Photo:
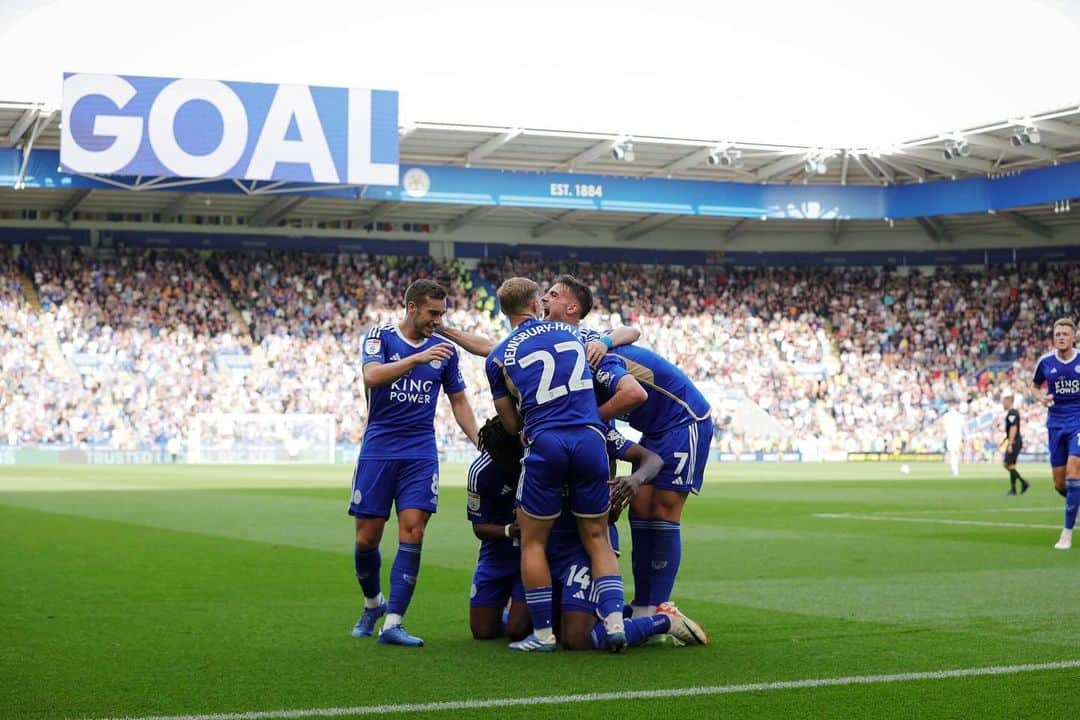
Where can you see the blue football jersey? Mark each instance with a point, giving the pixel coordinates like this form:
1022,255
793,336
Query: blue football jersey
542,366
673,399
491,493
401,415
1063,382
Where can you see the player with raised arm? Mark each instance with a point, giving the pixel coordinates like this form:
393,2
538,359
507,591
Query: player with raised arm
541,384
675,423
1059,371
493,479
594,349
404,366
1012,444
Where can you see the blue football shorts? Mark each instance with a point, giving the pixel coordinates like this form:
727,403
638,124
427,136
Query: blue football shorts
407,484
573,457
496,580
571,572
684,451
1063,443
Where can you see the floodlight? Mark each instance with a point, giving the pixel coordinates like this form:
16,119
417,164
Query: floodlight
725,158
623,151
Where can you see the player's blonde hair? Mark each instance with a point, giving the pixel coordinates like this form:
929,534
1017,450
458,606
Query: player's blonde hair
1066,321
516,295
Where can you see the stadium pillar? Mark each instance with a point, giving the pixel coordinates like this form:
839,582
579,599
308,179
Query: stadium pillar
441,249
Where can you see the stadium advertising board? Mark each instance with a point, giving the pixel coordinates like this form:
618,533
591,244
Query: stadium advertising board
125,125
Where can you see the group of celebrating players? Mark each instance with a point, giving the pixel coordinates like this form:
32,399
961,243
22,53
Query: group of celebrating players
542,496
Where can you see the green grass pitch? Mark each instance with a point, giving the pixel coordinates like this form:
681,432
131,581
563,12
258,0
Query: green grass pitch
129,592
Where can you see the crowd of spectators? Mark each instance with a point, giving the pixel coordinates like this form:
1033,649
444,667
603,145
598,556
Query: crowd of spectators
810,359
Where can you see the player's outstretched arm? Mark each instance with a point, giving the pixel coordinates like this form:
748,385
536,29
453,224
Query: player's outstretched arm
1040,396
459,405
596,349
627,396
491,531
470,342
377,374
509,415
648,465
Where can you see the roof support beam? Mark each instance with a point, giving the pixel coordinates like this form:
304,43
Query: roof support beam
910,170
172,211
934,229
862,166
643,227
687,161
272,212
562,221
468,217
484,149
39,125
22,125
735,230
1025,223
73,204
928,229
961,163
844,167
780,167
376,213
1057,127
839,229
882,168
995,143
587,156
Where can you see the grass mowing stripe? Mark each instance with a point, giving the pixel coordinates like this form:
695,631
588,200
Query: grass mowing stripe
627,695
933,521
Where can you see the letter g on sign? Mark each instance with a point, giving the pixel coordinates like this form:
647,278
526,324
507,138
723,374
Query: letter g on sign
126,130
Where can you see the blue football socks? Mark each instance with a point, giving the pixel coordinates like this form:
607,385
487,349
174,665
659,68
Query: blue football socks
1072,501
665,559
403,574
538,600
609,595
368,564
637,631
641,559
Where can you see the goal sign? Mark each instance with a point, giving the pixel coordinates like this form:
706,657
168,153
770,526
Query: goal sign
123,125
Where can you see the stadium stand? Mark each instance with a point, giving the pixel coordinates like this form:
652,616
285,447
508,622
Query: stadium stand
795,359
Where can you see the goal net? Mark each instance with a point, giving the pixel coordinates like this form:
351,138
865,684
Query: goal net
262,438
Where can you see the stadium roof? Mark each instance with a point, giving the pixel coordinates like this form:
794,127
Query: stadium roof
997,148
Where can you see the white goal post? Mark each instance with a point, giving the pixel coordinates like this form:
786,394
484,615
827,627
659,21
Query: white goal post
262,438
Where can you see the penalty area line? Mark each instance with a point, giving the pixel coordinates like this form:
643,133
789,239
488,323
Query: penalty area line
624,695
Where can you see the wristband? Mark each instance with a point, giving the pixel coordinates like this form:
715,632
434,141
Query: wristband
506,530
606,340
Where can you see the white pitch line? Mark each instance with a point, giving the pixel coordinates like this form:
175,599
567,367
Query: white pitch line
933,521
954,511
625,695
